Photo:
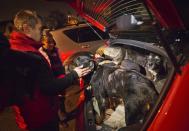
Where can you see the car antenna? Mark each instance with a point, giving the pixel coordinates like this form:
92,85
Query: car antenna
94,30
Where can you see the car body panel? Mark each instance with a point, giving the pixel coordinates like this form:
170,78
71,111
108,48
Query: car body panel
173,114
67,46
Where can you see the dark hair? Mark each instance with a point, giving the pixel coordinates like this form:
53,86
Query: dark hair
25,17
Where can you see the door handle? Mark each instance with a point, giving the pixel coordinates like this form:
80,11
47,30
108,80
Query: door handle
85,46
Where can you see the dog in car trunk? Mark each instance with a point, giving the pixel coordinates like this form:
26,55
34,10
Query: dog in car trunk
123,79
119,82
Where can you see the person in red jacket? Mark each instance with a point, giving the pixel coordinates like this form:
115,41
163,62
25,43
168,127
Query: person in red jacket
39,86
10,118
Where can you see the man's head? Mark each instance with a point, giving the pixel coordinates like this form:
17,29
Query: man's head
29,23
47,40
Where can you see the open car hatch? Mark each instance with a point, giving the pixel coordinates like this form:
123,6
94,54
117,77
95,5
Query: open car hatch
132,16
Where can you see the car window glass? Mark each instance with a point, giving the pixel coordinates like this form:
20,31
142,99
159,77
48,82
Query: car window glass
85,34
124,14
182,7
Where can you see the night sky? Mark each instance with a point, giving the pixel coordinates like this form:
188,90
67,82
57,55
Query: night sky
8,8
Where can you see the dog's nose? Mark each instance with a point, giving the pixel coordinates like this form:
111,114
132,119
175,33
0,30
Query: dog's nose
150,64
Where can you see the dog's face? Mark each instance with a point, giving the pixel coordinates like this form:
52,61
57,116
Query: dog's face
154,62
155,67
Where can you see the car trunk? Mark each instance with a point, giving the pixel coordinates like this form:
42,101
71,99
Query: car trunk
142,25
126,15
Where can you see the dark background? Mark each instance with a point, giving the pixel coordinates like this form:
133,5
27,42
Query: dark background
8,8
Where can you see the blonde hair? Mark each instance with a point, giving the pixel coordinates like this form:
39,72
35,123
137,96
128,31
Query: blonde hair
47,37
45,34
100,50
25,17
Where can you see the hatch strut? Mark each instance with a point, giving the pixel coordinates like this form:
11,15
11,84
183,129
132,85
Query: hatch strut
94,31
163,41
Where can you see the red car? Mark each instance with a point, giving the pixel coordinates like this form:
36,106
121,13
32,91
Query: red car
163,23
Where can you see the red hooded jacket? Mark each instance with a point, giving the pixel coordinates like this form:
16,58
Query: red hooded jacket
39,111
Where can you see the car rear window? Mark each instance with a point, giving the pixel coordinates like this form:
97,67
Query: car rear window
85,34
182,7
124,14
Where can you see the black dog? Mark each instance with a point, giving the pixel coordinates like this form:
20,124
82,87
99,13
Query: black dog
125,81
136,90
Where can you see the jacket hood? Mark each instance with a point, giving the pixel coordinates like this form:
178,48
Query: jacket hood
21,42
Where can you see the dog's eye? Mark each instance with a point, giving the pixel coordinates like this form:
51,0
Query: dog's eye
150,57
157,57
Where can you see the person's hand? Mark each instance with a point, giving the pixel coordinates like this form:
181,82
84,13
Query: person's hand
97,56
82,71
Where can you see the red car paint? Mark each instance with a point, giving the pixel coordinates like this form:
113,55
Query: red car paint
174,112
166,13
65,55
